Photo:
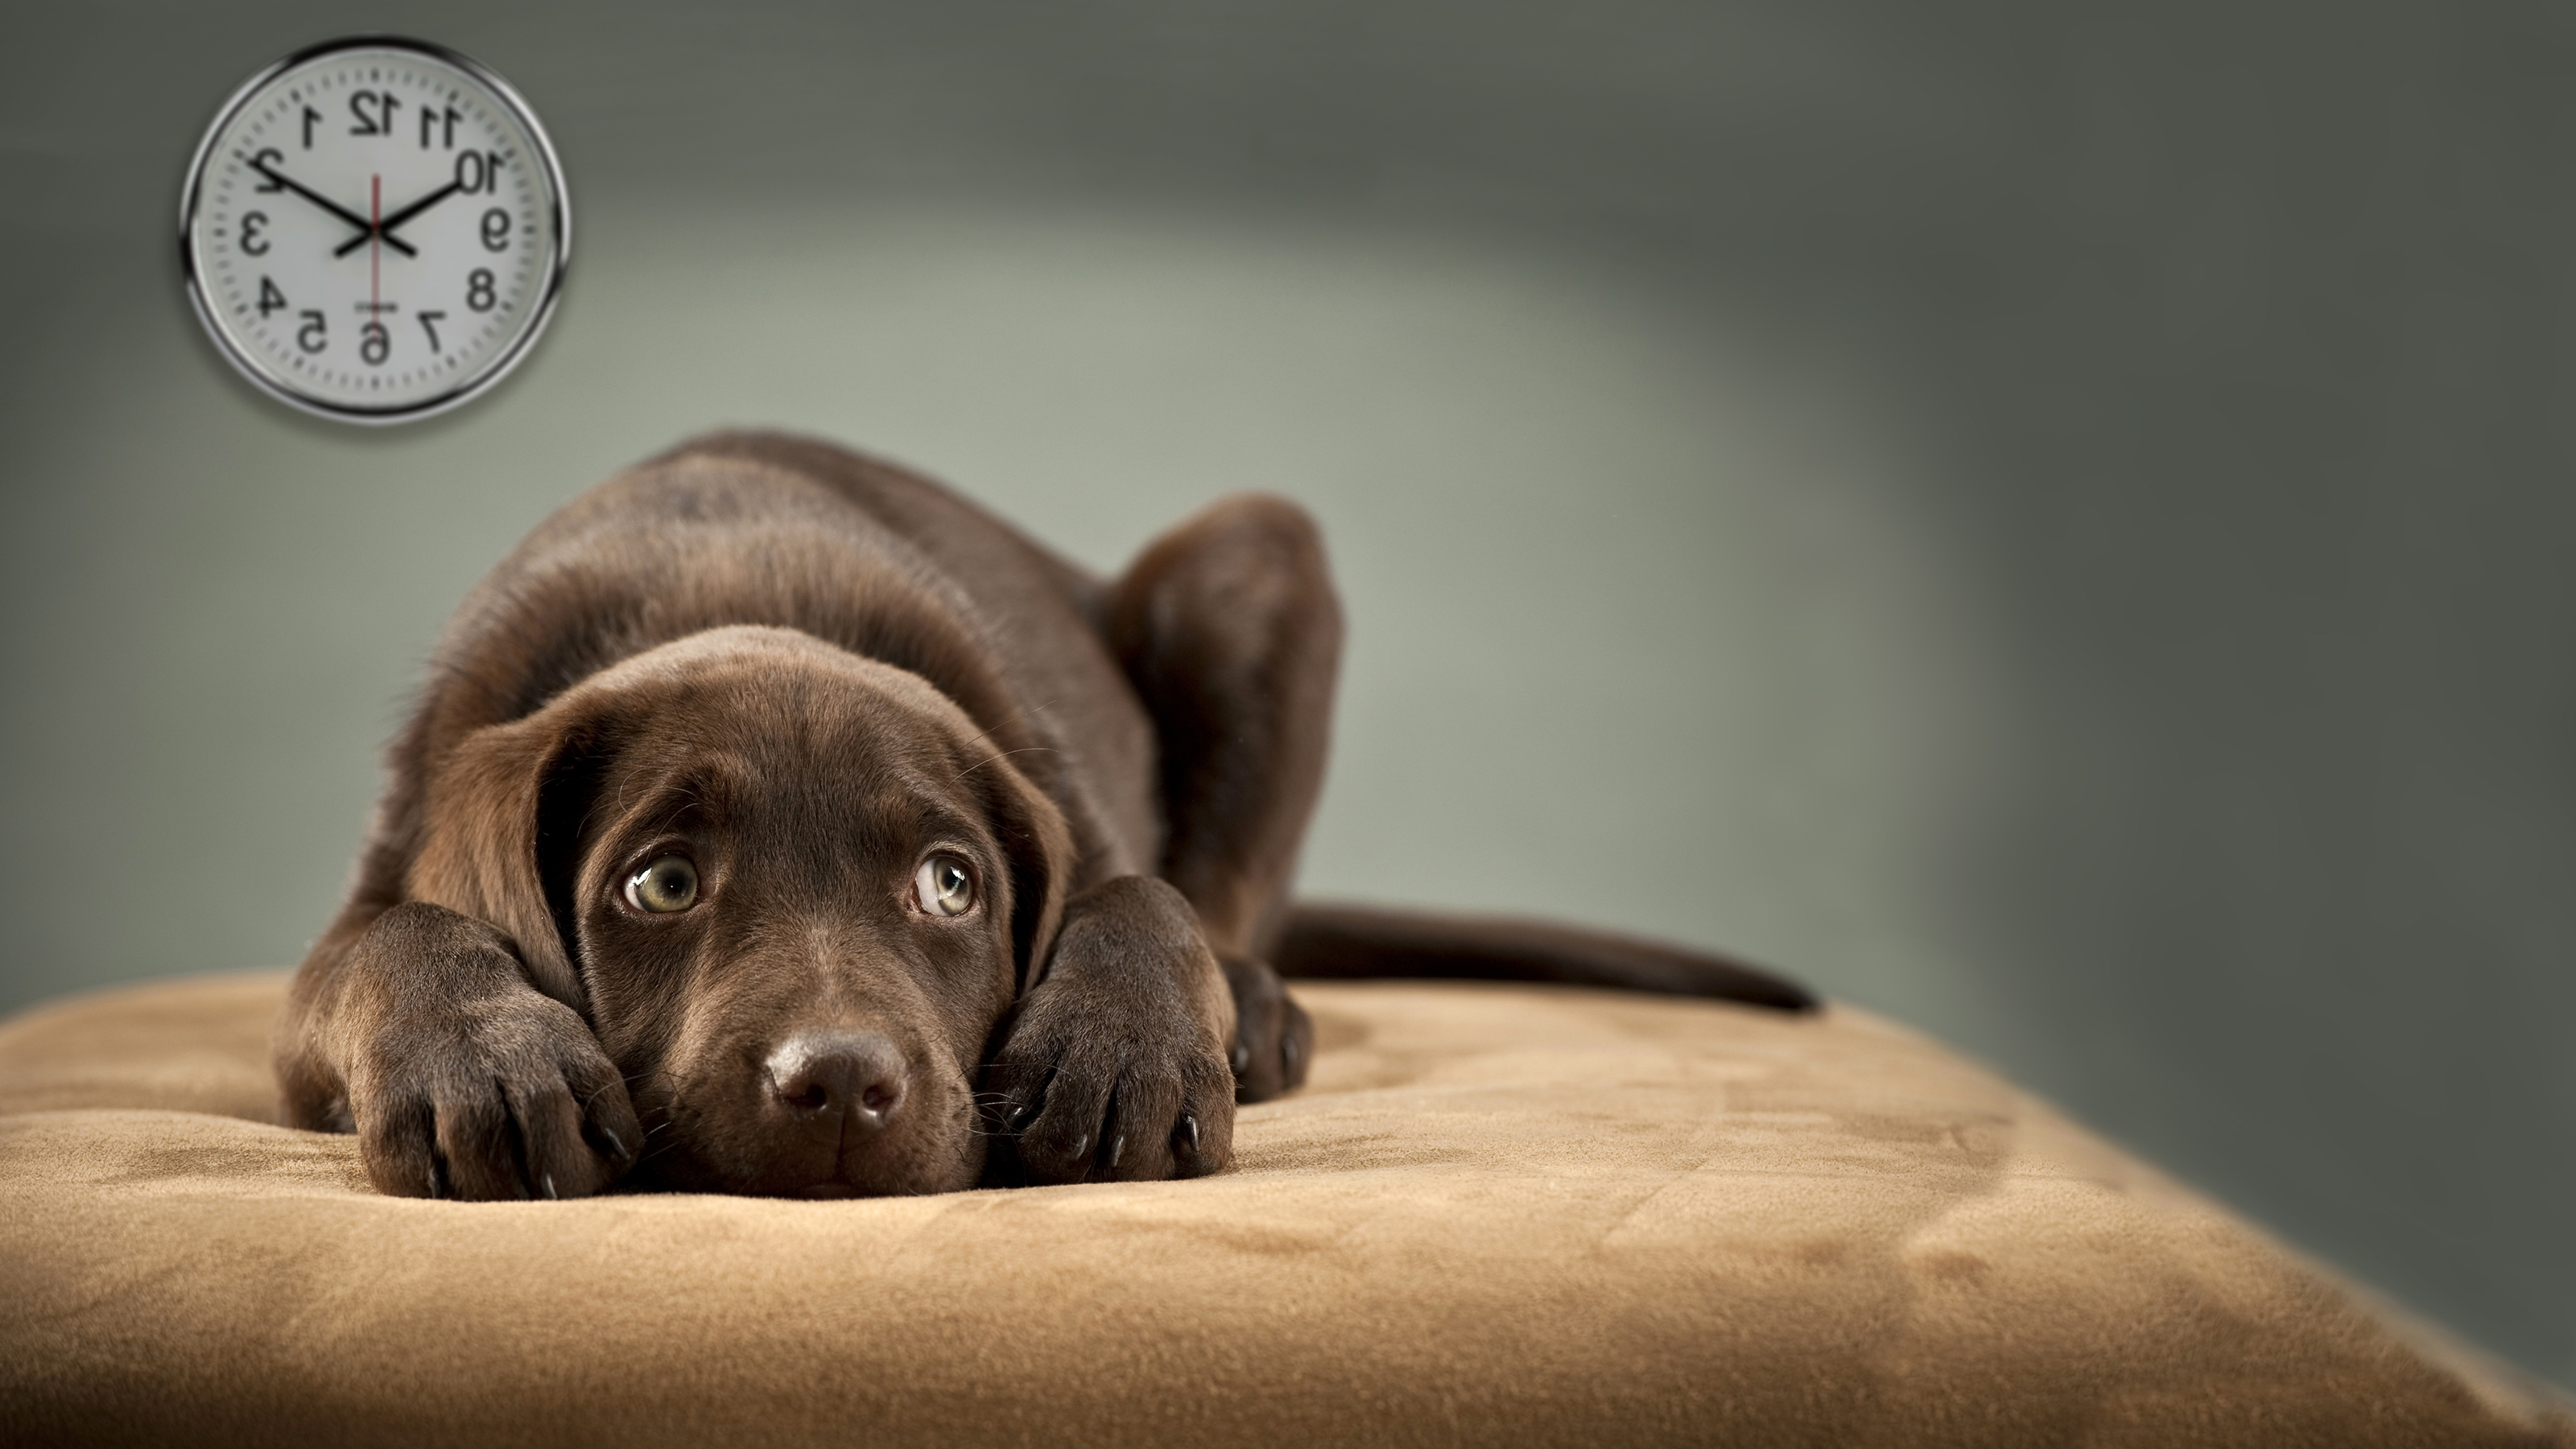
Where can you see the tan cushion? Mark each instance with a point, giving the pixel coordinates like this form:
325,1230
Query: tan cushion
1498,1215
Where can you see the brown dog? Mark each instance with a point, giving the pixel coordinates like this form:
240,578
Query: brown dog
782,822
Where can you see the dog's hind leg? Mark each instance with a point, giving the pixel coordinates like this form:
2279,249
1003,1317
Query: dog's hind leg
1229,630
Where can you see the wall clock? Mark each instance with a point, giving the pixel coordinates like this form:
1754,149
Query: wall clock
374,229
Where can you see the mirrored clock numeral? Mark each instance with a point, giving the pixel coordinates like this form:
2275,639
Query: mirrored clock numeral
440,123
478,171
307,295
375,112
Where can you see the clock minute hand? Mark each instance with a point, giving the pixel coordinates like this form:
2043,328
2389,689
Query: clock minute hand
385,228
364,226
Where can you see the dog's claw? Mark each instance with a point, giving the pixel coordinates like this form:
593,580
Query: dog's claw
1185,1136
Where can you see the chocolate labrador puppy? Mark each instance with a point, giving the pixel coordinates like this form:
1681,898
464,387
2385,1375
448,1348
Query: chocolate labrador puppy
775,821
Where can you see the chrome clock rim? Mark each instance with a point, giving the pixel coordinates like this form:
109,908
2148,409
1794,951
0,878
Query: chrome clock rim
257,371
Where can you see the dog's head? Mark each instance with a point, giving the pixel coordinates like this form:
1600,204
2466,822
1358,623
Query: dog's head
792,889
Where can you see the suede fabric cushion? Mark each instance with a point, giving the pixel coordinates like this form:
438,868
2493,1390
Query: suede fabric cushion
1497,1215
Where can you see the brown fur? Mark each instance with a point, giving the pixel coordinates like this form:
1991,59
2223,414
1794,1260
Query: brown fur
811,676
807,671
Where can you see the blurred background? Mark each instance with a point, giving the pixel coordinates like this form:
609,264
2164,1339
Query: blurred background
2048,521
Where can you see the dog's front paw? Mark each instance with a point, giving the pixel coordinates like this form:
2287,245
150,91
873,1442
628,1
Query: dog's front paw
1273,1037
1114,1067
500,1092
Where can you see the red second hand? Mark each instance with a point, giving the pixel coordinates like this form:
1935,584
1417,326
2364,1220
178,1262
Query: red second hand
375,245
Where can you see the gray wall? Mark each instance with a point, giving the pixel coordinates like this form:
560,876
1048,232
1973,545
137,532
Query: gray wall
2051,524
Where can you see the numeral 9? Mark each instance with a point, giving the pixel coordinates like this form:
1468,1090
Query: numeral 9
496,230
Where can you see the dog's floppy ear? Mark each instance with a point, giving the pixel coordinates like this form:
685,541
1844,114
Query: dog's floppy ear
1040,848
504,818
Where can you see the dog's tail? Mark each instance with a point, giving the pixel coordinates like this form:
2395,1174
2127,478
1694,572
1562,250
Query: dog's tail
1345,943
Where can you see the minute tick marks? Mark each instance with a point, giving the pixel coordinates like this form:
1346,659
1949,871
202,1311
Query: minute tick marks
393,189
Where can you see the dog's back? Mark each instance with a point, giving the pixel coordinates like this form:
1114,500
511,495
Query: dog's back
763,528
779,800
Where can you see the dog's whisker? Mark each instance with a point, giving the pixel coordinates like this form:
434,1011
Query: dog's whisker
983,735
1004,755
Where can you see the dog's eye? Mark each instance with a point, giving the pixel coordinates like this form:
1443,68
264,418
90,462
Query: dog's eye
944,886
668,884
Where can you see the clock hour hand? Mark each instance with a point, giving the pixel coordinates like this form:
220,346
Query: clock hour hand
364,226
385,228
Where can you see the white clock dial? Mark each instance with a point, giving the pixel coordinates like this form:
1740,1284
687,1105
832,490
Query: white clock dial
375,229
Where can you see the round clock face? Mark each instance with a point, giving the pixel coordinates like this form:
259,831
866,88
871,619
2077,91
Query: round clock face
374,229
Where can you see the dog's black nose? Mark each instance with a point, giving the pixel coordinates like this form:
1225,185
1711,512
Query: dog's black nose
856,1077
